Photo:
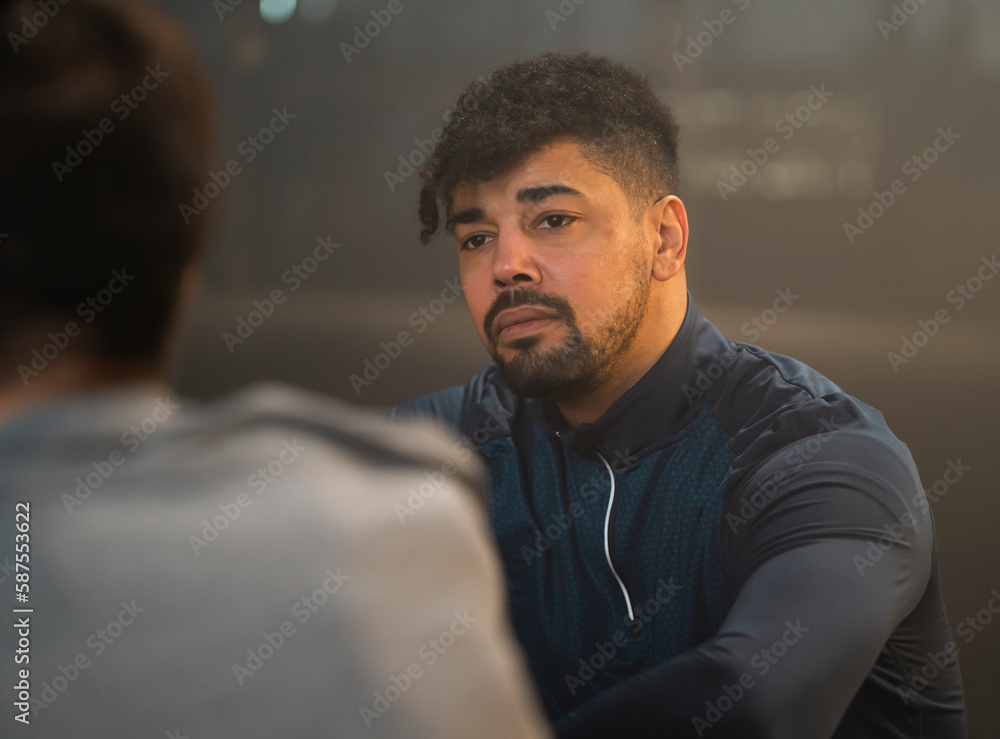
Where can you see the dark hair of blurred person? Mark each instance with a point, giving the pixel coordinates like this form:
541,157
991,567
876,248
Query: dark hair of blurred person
90,182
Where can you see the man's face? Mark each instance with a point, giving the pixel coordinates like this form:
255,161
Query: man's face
556,271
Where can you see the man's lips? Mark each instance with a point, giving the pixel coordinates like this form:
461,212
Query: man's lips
516,317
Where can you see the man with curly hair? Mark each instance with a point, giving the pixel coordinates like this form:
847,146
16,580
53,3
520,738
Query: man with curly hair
698,536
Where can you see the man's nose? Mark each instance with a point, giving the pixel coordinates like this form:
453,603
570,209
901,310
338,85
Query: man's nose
513,260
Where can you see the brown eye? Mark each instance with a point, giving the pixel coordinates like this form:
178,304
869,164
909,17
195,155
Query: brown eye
556,221
474,242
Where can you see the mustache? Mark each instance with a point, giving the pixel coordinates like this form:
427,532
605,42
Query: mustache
521,296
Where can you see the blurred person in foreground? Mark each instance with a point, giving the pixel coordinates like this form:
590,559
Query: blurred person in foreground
226,570
699,537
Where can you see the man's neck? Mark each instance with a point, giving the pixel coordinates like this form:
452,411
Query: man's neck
592,406
656,336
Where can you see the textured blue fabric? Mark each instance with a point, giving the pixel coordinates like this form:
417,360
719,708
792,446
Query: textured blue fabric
548,515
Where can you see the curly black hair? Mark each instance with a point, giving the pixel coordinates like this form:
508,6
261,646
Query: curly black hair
524,106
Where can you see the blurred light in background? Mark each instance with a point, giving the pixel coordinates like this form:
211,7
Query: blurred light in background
276,11
313,11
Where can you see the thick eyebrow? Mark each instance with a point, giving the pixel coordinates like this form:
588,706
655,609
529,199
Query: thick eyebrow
469,215
537,194
524,195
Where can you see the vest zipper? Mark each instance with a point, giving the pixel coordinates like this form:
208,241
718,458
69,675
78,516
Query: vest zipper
607,541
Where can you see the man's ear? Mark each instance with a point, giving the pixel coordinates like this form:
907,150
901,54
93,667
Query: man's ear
669,218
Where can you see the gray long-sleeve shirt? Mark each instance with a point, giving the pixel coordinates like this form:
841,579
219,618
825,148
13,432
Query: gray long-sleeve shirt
271,565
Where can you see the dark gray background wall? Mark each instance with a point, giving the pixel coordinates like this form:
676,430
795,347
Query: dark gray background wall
893,87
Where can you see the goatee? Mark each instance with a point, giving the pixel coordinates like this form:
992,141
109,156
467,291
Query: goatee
577,365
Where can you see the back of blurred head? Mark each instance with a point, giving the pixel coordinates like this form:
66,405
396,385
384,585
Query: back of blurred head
106,126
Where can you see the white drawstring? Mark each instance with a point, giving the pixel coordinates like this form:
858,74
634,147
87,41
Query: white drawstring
607,547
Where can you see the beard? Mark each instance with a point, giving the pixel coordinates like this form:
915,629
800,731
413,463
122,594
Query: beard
579,364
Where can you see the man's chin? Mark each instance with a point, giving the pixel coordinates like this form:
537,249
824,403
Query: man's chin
521,345
554,389
550,375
